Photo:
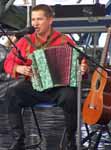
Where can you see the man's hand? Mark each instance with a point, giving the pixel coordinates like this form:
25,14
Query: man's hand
84,66
24,70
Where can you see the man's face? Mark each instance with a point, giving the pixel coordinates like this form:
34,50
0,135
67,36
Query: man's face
40,22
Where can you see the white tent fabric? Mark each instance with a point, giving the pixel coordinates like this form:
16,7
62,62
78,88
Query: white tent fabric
62,2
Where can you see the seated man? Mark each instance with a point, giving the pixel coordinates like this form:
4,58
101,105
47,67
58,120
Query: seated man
23,94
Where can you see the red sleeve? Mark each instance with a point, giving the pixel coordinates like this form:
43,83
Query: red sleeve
12,59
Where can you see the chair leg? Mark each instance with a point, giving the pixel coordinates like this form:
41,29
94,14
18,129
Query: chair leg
98,139
37,145
62,140
99,132
89,135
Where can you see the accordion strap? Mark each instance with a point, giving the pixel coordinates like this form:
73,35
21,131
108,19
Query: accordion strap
46,43
30,42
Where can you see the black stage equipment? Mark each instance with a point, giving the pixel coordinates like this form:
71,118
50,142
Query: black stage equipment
62,11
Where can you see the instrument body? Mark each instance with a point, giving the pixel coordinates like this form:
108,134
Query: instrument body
54,66
97,105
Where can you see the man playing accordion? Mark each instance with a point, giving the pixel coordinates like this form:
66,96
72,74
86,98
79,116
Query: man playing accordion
24,94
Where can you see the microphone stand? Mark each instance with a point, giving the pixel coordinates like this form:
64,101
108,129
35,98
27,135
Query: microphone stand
79,79
18,50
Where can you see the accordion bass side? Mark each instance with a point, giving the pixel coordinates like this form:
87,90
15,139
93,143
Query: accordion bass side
52,67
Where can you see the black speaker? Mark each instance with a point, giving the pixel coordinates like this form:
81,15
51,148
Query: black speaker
62,11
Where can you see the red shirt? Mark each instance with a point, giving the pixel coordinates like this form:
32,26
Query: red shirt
12,59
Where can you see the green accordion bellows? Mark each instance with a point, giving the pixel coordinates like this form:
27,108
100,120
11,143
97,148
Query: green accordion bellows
43,74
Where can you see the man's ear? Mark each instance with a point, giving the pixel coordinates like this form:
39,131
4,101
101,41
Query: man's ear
51,20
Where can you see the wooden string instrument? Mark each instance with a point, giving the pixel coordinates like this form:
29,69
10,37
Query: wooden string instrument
97,105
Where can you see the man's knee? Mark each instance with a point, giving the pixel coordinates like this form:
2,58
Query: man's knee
69,93
69,98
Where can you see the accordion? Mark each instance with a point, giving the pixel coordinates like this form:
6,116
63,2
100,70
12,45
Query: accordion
54,66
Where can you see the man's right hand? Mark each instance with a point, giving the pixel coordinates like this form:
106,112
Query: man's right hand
24,70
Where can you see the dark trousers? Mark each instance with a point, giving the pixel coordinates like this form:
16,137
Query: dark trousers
23,95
